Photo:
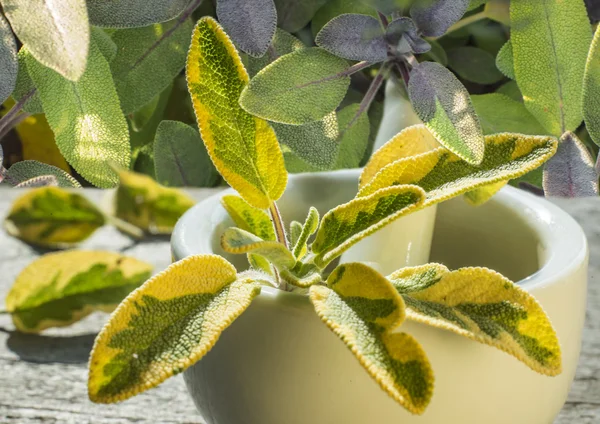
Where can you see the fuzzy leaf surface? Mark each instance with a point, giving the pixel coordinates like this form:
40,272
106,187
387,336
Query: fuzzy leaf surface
355,37
293,15
571,172
27,169
484,306
24,85
143,202
180,157
282,44
249,218
504,60
499,113
434,17
166,325
444,175
250,23
474,64
53,217
362,308
56,33
133,13
550,41
299,87
353,136
147,61
308,229
9,65
86,118
444,105
243,148
349,223
41,181
591,90
236,240
59,289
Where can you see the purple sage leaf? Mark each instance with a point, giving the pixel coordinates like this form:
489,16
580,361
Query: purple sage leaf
251,24
355,37
434,17
570,172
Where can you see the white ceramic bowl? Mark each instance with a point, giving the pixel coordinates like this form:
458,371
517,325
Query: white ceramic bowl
279,364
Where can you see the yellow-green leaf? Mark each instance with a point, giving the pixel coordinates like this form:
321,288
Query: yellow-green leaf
243,148
591,90
166,325
484,306
236,240
308,229
550,41
60,288
504,60
143,202
362,308
411,141
499,113
482,194
444,175
349,223
53,217
249,218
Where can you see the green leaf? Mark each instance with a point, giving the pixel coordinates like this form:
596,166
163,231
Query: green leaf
249,218
144,136
437,53
59,289
308,229
353,136
56,33
474,64
53,217
107,46
148,60
334,8
349,223
166,325
504,60
591,90
571,172
295,231
498,10
41,181
550,41
27,169
141,117
180,158
236,240
243,148
24,86
498,113
9,66
283,43
300,87
443,175
133,13
293,15
511,89
362,308
444,105
86,119
484,306
144,203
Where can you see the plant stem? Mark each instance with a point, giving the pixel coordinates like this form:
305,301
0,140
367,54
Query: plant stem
281,238
125,227
464,22
11,115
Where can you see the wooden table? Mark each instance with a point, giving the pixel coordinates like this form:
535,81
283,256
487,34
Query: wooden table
43,377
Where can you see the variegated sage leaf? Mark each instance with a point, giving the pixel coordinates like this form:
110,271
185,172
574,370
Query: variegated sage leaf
148,59
362,308
474,64
57,33
411,141
59,289
27,169
484,193
349,223
355,37
293,15
88,124
243,148
499,113
550,41
434,17
166,325
41,181
444,105
180,157
133,13
236,240
283,43
308,229
53,217
571,172
144,203
484,306
591,90
250,23
299,87
504,60
444,175
9,65
249,218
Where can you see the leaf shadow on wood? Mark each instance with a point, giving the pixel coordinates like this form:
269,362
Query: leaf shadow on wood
50,349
